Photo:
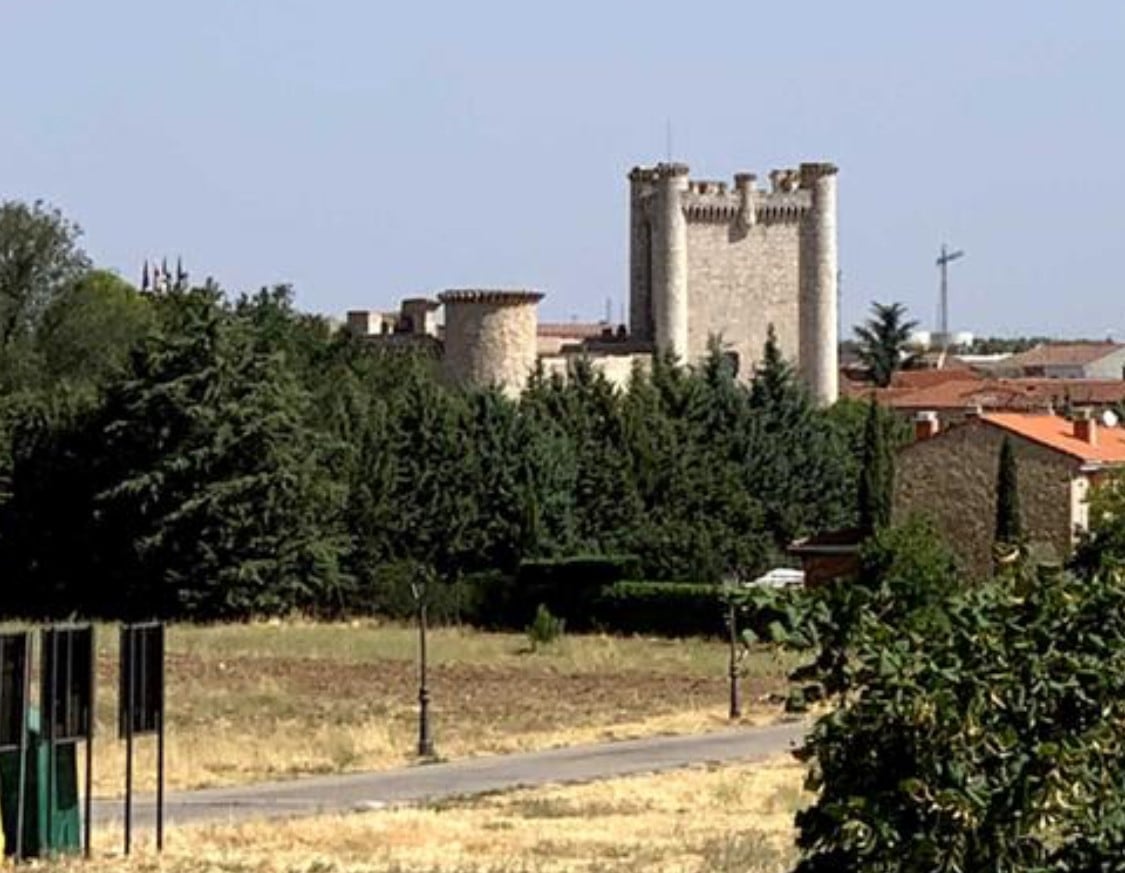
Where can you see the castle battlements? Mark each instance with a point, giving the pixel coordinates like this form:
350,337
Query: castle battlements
494,296
708,260
714,259
709,201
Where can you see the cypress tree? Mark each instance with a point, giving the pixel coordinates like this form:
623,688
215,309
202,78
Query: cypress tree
876,476
1008,527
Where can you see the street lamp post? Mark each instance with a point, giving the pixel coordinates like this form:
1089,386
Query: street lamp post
425,737
735,697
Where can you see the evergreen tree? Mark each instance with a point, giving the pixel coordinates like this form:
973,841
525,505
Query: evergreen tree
222,506
796,463
687,428
876,478
882,340
607,505
1009,529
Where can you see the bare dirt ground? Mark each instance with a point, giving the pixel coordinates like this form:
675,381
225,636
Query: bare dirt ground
265,702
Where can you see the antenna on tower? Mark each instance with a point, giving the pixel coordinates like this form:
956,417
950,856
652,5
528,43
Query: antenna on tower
943,263
668,140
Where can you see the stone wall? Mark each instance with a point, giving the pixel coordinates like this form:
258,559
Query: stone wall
617,368
753,258
952,479
740,282
1112,366
490,338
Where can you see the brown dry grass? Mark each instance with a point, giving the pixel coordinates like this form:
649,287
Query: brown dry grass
720,819
279,700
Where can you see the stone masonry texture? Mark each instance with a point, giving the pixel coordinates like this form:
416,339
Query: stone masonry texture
490,338
753,258
951,478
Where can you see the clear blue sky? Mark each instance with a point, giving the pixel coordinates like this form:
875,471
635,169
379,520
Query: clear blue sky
366,151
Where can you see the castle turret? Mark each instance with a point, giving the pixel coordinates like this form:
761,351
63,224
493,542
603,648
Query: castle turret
817,343
670,262
640,255
747,206
490,337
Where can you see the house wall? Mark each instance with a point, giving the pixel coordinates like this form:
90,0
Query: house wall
1112,366
617,369
951,478
822,568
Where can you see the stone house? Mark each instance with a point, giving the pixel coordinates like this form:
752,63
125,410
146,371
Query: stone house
950,475
1089,360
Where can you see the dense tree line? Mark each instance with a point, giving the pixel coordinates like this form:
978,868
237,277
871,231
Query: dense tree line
185,453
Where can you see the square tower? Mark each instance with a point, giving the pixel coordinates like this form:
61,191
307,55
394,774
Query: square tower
712,260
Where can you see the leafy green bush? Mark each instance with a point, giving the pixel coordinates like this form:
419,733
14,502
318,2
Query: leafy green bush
906,574
545,628
994,745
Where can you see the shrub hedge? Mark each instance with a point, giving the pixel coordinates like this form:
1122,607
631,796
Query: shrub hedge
586,592
665,608
569,587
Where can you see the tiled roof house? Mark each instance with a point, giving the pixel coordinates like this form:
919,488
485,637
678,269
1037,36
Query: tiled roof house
1090,360
950,475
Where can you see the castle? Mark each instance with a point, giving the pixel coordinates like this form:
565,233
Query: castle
707,262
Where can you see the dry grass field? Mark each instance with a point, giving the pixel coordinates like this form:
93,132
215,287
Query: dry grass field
721,820
280,700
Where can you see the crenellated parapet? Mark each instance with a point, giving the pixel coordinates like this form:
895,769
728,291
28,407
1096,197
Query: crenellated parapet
496,297
706,201
717,258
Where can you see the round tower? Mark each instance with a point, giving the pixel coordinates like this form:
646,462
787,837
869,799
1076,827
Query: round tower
640,254
818,353
490,337
670,262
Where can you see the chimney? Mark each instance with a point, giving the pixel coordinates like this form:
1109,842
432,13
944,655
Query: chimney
1085,427
926,425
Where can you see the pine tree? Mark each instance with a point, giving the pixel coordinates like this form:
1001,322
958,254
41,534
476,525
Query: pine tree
1009,529
876,477
607,505
795,463
222,506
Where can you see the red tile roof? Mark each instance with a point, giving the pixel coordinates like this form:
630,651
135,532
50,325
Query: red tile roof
1004,394
1063,354
1056,432
926,378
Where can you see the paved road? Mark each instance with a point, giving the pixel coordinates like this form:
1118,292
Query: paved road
429,782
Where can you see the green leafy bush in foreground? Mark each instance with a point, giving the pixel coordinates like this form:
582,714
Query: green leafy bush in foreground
996,744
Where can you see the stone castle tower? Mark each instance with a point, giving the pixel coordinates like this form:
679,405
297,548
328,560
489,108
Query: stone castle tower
707,260
490,337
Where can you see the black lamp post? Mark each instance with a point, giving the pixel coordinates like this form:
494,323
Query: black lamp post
420,590
732,665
